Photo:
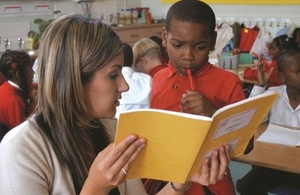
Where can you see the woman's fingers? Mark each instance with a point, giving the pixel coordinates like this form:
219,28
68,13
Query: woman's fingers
130,151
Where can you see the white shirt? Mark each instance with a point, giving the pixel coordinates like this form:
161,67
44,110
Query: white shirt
35,70
282,112
139,93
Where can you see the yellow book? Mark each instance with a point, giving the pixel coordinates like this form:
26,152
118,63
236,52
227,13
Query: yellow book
178,142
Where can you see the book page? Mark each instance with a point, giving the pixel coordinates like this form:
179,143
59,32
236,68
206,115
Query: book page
280,135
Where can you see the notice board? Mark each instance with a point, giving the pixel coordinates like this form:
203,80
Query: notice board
270,2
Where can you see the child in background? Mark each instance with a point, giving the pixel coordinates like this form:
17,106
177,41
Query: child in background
147,57
296,36
138,95
15,102
189,36
275,48
164,53
285,112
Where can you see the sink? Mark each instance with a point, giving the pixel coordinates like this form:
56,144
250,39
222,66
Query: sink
31,52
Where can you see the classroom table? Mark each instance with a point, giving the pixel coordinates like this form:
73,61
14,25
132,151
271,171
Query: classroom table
275,156
240,73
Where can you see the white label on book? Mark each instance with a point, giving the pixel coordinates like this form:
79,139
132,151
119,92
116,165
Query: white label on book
234,123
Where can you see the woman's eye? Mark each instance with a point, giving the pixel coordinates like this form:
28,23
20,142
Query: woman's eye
114,76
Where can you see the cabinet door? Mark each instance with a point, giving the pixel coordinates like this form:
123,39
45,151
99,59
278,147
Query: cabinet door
132,35
155,31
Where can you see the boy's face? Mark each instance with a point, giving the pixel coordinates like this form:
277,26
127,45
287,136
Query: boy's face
291,72
188,45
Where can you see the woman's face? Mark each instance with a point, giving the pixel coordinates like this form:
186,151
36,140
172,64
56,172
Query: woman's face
104,90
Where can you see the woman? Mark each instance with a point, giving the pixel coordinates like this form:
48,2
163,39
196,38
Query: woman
64,148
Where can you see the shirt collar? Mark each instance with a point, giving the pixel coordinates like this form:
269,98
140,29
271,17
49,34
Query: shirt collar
14,85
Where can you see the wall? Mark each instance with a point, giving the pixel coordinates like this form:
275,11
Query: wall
14,25
237,12
19,23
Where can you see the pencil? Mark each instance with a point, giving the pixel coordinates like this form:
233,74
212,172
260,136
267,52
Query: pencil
262,59
192,81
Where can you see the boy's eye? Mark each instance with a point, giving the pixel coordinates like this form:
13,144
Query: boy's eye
199,47
176,45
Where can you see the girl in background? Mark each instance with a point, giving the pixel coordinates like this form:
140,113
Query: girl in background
275,48
15,102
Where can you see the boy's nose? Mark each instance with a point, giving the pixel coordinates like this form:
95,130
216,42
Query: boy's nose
188,55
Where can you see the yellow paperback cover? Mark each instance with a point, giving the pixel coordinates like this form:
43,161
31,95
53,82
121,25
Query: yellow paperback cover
178,142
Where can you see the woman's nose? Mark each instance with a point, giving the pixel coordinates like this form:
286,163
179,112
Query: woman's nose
123,85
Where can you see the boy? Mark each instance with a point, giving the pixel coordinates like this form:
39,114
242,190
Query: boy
189,36
147,57
139,93
285,112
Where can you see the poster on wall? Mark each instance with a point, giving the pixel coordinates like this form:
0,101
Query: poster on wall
270,2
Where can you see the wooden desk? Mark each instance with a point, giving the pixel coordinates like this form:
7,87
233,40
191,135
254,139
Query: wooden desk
240,73
275,156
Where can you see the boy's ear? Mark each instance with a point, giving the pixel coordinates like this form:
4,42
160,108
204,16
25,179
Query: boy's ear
164,37
281,76
213,41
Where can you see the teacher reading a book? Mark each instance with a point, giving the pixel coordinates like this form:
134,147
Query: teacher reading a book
67,146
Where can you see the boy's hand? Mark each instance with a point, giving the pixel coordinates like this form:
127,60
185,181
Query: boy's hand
195,103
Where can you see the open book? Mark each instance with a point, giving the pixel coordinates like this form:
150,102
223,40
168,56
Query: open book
281,135
178,142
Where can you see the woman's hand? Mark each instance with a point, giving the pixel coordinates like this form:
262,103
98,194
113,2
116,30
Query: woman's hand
215,168
111,165
195,103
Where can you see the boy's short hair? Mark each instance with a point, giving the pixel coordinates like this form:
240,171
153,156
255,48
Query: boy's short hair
193,11
143,47
283,56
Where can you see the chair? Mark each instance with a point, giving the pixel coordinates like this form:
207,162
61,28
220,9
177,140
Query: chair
290,189
3,131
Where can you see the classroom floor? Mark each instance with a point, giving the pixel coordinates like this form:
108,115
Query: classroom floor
238,170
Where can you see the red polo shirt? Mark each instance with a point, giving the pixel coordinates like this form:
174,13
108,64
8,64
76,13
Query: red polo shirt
219,86
12,106
154,70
